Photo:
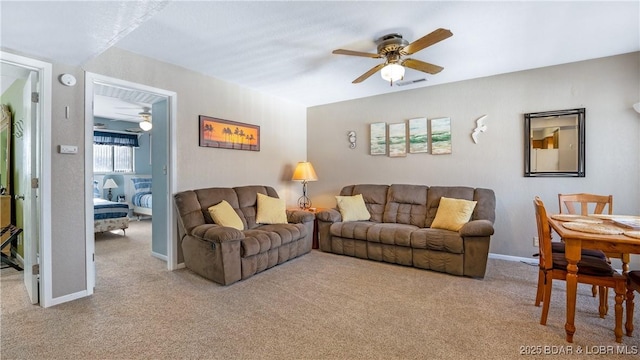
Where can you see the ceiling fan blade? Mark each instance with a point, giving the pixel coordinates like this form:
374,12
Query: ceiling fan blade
422,66
356,53
364,76
427,40
128,115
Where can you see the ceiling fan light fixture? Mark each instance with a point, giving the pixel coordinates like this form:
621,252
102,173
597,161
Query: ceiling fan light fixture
392,72
146,125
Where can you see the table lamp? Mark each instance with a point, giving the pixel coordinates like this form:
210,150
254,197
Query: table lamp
304,171
109,184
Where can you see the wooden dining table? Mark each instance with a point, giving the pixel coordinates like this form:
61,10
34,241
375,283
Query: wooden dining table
575,241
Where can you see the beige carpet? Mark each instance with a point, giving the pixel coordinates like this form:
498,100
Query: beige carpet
319,306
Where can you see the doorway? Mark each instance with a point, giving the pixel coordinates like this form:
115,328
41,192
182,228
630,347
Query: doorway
161,106
30,189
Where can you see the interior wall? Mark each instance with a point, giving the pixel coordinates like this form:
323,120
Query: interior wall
606,87
68,246
282,125
283,132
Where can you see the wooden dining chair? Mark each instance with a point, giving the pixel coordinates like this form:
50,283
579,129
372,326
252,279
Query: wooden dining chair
591,204
633,284
591,270
558,247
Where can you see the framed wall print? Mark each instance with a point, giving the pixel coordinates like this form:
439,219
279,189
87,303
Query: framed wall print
440,136
226,134
418,136
378,138
398,140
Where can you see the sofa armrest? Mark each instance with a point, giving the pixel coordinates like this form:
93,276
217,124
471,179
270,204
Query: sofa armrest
299,216
216,234
477,228
329,215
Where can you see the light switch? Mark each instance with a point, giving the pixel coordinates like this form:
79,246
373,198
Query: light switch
68,149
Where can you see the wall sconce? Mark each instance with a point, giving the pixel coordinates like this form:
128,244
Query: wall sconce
352,139
636,107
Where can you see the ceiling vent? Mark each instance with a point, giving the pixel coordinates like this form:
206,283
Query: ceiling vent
409,82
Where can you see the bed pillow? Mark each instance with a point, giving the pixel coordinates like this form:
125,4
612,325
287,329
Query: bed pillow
352,208
141,185
453,213
271,210
224,215
96,189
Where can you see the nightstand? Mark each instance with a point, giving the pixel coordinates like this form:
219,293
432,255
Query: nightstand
314,244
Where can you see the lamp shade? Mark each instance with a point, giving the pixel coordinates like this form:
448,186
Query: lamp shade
636,107
109,184
304,171
392,72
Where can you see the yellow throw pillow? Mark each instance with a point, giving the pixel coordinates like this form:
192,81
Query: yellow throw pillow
224,215
453,213
271,210
352,208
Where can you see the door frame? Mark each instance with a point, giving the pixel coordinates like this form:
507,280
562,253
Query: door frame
172,100
43,140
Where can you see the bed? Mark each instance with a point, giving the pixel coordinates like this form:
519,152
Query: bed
142,198
108,215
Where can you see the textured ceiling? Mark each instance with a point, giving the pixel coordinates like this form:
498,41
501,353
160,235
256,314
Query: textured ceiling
284,48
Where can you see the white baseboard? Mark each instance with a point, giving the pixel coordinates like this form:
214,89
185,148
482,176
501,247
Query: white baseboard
513,258
159,256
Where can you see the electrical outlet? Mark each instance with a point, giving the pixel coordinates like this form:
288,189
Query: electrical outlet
535,241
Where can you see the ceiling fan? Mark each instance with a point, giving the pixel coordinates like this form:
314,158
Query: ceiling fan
145,114
393,48
144,117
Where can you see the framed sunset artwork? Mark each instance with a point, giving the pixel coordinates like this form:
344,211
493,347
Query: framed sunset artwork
226,134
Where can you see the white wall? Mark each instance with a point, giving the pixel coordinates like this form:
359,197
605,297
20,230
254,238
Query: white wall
606,87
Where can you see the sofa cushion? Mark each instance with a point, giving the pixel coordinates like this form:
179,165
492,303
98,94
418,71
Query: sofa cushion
268,237
406,204
391,234
452,214
352,208
258,241
437,239
286,232
206,198
351,230
435,193
224,215
271,210
375,197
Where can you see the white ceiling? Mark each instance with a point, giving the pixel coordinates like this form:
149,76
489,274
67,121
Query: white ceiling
284,48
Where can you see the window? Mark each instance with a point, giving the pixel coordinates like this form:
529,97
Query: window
110,158
113,152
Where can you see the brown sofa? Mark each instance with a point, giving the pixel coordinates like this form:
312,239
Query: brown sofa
225,254
399,229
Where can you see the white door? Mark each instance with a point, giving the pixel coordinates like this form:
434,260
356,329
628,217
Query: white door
29,186
34,161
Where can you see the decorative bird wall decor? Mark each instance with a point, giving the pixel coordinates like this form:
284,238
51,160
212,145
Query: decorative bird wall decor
480,127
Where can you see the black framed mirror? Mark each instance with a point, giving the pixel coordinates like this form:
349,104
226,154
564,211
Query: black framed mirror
554,143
